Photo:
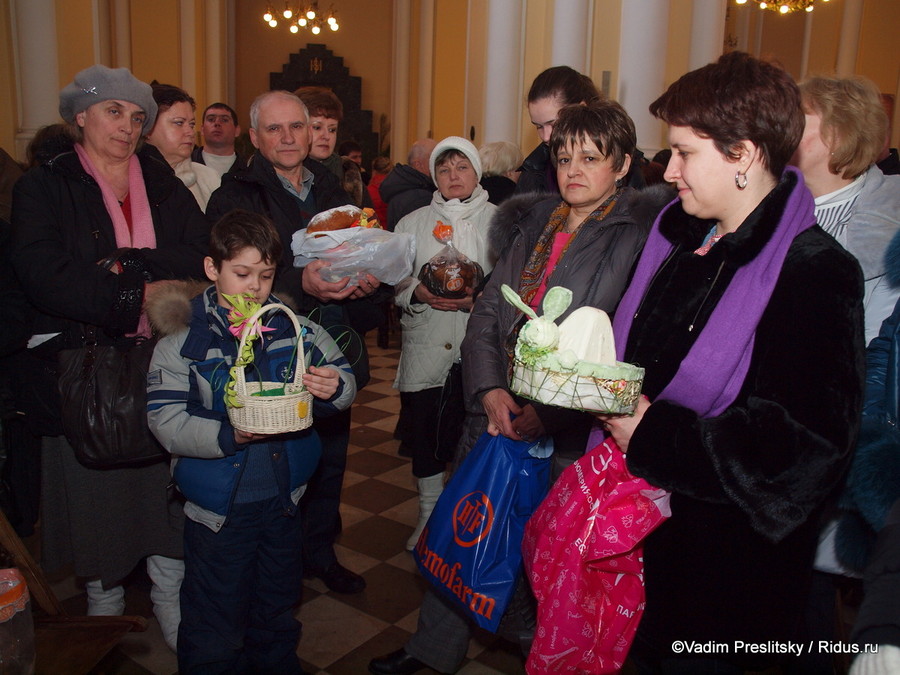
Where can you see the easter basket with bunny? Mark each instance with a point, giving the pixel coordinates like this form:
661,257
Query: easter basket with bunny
573,364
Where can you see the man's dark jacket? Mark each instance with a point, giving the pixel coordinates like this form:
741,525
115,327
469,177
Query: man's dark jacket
258,189
404,190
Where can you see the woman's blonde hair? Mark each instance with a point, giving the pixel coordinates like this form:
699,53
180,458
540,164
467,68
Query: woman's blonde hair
499,158
854,122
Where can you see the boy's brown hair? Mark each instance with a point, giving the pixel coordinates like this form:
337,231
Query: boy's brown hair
240,229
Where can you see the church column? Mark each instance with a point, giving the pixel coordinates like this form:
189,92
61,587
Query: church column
707,32
426,68
122,14
37,68
572,21
642,70
848,45
102,33
502,98
807,42
758,35
215,56
742,21
400,81
187,31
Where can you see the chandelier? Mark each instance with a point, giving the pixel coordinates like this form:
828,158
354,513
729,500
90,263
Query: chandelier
305,16
783,6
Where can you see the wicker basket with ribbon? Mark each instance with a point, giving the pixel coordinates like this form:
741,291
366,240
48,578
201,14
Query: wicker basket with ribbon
270,407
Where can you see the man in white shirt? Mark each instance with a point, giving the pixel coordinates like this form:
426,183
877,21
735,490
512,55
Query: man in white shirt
220,129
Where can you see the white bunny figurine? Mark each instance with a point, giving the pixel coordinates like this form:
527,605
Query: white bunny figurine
539,335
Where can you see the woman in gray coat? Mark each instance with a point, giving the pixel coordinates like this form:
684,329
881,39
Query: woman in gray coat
587,243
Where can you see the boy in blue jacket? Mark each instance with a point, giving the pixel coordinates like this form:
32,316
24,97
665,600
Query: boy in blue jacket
243,536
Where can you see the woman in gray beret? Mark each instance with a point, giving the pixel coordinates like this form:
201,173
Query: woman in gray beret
104,199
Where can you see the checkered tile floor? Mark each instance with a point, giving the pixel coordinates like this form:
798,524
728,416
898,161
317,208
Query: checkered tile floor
341,633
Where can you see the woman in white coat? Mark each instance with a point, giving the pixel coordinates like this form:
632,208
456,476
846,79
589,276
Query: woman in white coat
433,326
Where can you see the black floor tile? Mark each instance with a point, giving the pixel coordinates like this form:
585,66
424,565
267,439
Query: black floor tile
371,463
391,593
364,415
377,537
366,437
375,496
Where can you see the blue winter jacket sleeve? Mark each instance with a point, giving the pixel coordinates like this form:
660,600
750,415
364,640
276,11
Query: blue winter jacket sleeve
185,409
881,369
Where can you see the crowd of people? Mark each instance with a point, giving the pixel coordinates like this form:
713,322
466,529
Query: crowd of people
745,271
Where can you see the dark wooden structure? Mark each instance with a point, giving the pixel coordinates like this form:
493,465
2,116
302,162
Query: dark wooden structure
63,643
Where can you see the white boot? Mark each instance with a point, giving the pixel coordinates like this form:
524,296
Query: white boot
430,488
166,575
105,602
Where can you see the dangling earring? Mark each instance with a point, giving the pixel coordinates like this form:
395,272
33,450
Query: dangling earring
740,179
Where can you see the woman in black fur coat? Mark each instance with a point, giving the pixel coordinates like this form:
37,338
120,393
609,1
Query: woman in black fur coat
748,320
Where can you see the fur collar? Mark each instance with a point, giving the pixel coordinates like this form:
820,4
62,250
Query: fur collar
169,309
509,216
513,214
743,245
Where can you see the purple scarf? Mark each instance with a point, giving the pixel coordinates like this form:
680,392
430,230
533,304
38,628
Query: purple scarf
713,371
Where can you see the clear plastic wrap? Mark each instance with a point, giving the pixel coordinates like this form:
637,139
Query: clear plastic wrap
357,251
449,272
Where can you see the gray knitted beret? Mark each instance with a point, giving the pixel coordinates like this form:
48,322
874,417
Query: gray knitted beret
99,83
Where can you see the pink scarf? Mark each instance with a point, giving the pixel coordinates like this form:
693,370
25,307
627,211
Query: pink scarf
141,234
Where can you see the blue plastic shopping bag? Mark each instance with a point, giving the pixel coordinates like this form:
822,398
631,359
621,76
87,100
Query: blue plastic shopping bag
471,548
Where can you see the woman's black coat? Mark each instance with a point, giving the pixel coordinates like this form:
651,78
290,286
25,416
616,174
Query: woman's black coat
748,486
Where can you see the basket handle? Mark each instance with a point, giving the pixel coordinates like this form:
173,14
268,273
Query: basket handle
300,367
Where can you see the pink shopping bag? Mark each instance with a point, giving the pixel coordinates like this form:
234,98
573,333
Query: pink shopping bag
583,559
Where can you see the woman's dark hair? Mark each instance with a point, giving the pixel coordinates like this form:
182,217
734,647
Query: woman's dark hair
240,229
738,98
345,148
605,123
447,155
321,102
167,95
565,84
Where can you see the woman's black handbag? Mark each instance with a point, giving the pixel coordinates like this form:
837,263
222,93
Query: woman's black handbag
451,415
103,391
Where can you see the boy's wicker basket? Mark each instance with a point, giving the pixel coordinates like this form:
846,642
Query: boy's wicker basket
268,413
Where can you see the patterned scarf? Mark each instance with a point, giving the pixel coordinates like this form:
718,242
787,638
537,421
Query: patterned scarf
536,267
